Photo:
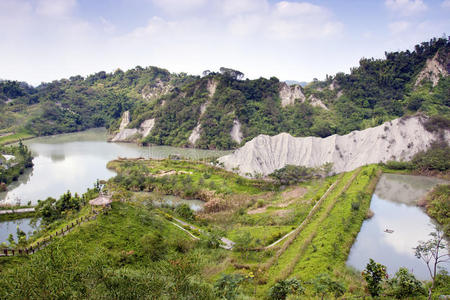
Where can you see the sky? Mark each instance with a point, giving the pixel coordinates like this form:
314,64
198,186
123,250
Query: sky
45,40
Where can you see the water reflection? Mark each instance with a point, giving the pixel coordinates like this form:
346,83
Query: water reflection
394,205
10,227
75,161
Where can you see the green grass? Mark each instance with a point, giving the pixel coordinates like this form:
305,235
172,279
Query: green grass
200,175
8,139
336,233
17,216
262,235
113,257
325,241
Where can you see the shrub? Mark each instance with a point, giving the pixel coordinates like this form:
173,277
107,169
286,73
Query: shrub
399,165
374,274
323,285
437,157
227,286
437,122
283,288
292,174
154,246
184,211
355,206
405,285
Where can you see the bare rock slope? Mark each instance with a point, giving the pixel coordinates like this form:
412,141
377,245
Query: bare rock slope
131,134
399,139
434,69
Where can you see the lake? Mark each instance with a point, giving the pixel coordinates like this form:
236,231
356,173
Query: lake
394,204
75,161
10,227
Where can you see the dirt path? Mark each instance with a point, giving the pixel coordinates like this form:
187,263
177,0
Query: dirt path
227,244
16,211
311,212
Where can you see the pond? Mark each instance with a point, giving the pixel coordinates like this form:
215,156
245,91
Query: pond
158,200
75,161
10,227
394,204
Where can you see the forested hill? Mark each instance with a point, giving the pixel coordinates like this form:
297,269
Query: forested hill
220,110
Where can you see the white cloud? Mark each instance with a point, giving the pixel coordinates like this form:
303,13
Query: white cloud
179,6
302,20
236,7
399,27
246,25
55,8
284,20
406,7
446,4
108,27
297,9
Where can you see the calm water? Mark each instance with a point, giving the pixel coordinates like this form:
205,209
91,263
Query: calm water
8,227
194,204
394,204
75,161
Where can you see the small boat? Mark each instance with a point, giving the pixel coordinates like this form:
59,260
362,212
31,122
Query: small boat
389,231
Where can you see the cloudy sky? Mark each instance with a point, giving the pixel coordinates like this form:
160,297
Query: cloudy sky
44,40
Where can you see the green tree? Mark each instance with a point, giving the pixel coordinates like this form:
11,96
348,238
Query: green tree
405,285
433,253
374,274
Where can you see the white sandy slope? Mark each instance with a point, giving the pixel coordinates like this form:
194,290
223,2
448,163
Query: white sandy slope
129,134
399,139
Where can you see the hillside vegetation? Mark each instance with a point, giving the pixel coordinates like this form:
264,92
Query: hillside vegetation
298,235
221,102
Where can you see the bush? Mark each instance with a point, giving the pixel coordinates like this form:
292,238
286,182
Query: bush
405,285
399,165
355,206
323,285
283,288
227,286
154,246
437,157
437,122
184,211
292,174
374,274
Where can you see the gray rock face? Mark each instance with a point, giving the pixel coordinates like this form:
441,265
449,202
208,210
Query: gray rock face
314,101
236,133
398,140
432,71
195,134
158,89
289,94
132,134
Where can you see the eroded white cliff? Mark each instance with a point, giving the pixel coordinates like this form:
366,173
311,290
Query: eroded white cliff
132,134
289,94
434,69
399,139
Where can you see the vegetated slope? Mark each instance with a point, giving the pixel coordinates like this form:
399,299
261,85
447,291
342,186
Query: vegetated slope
222,111
130,252
396,140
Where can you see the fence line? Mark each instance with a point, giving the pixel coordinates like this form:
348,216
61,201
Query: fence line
42,244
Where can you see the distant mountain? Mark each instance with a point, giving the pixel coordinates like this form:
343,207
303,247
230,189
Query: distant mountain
222,111
292,82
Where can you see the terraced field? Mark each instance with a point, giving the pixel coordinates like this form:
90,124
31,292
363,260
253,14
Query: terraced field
324,239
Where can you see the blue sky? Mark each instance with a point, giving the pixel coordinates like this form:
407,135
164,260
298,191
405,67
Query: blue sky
44,40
